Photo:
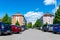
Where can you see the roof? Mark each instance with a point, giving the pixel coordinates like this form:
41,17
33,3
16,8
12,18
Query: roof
47,14
17,14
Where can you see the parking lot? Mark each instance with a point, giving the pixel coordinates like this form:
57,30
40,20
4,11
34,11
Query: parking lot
32,34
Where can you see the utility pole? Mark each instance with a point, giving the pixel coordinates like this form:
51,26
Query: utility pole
55,4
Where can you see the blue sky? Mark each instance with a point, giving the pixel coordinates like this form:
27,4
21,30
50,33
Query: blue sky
27,7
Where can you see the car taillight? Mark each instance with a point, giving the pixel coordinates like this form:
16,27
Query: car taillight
2,26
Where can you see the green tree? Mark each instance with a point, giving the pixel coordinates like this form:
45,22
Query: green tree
38,23
46,23
29,25
6,19
0,20
57,16
17,23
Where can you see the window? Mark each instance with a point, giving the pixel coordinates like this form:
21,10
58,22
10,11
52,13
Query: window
23,22
17,18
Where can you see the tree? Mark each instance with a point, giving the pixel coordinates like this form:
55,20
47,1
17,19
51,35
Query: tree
17,23
10,20
29,25
0,20
38,23
57,16
46,23
6,19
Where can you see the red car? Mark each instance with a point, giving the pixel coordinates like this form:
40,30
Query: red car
16,29
20,29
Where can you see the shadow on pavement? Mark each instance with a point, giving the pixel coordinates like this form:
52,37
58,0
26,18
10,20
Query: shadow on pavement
5,34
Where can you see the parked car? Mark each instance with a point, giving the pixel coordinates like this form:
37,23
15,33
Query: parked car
45,28
50,27
9,28
5,28
20,29
56,28
40,28
15,29
23,27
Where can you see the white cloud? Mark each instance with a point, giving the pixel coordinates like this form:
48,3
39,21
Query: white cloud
32,16
49,2
55,9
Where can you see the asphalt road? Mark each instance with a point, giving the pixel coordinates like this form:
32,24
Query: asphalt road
32,34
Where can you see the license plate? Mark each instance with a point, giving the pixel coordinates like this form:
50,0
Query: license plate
8,31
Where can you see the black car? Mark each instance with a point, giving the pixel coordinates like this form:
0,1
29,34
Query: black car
45,28
5,28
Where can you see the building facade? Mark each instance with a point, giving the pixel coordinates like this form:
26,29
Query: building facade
48,18
18,17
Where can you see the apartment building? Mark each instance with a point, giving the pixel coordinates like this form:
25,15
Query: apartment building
48,18
18,17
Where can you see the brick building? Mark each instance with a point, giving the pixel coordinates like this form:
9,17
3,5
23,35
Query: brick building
18,17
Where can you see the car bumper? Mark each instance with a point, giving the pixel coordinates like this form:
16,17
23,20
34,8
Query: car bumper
56,31
6,32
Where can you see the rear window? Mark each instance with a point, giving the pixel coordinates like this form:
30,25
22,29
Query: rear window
50,25
56,25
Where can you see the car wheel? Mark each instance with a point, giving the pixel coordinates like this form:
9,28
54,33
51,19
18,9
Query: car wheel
18,32
45,31
9,33
0,33
55,32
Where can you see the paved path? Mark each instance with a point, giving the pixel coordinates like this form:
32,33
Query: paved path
32,34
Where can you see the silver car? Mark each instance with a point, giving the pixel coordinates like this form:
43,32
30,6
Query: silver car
50,27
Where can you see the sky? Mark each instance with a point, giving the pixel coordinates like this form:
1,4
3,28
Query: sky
31,9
